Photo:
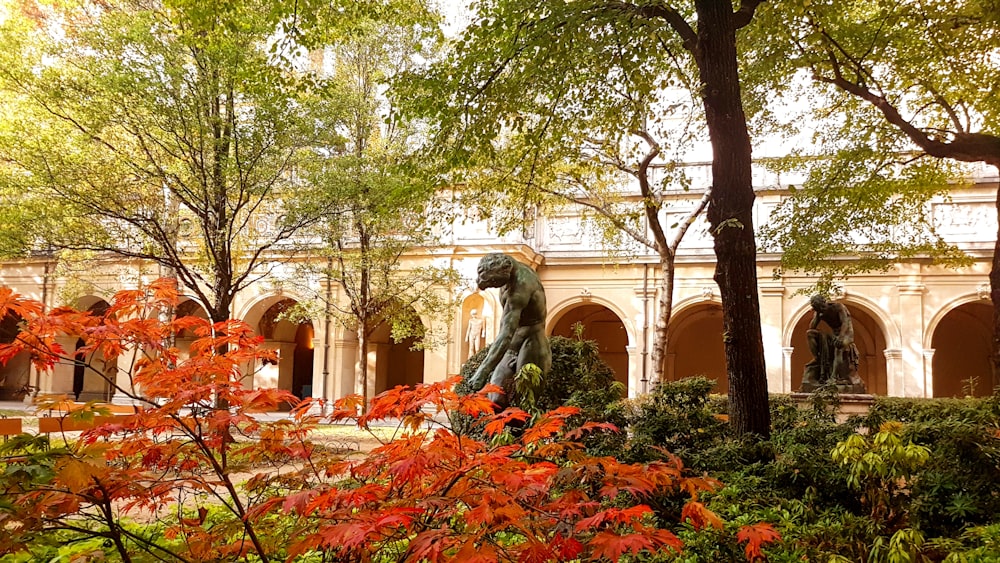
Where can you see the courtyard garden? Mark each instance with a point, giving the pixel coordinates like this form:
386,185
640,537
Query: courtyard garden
572,472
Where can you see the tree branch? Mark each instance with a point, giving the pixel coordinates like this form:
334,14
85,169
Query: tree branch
744,15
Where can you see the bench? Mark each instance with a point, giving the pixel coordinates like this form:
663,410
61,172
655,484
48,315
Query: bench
58,424
10,427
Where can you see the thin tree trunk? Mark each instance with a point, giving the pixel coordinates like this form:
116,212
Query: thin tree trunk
729,214
995,296
665,307
363,361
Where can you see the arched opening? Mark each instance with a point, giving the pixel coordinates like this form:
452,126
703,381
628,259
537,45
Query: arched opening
184,338
93,374
292,340
961,342
695,346
868,337
395,363
15,376
302,361
603,326
474,319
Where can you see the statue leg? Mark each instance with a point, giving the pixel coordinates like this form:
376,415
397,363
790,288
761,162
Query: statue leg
535,350
503,377
812,376
814,338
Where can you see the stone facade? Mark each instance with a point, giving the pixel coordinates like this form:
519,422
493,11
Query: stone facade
922,331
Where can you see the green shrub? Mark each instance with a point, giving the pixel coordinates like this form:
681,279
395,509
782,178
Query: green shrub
684,419
578,378
959,486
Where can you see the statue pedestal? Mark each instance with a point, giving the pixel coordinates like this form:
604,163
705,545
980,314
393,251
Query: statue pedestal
842,388
850,403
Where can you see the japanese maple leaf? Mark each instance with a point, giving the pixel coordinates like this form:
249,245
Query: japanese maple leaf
700,516
613,546
757,535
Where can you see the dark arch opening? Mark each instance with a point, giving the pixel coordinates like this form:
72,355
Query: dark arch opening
396,362
695,346
292,339
961,342
15,375
603,326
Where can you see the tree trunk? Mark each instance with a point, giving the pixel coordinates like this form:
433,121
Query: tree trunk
995,296
363,364
730,217
665,307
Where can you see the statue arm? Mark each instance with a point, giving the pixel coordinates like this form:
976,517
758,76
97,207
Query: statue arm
815,321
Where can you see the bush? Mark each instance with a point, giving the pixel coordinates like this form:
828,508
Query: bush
682,418
578,378
959,485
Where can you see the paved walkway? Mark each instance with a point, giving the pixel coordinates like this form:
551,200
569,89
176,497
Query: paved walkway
6,407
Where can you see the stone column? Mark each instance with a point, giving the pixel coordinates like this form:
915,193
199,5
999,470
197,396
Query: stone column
786,369
124,371
634,372
911,315
894,372
928,372
60,379
343,374
772,319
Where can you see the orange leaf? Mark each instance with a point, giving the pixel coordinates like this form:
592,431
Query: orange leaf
700,516
757,535
613,546
501,420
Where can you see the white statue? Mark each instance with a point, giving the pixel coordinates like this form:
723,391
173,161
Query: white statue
474,336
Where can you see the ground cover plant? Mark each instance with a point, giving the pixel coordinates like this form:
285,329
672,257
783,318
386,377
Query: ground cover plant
914,480
194,476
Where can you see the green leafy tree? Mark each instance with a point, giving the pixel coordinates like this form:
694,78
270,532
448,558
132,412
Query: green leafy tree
905,81
555,95
164,131
375,199
587,123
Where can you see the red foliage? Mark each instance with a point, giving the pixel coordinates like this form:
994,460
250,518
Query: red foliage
430,494
757,535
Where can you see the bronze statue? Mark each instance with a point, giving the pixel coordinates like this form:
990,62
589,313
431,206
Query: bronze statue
835,357
521,339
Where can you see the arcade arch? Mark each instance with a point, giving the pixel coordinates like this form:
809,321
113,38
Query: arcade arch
187,308
961,341
391,362
695,345
603,326
15,376
869,337
293,343
93,373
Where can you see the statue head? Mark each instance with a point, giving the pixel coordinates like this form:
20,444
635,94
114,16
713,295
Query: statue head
818,302
494,270
473,313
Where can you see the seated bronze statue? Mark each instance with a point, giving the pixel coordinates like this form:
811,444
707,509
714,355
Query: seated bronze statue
835,357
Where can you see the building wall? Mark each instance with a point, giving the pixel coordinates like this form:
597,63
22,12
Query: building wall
922,330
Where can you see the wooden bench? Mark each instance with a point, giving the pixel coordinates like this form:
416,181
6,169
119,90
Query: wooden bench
57,424
10,427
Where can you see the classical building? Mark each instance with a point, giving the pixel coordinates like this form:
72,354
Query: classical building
922,331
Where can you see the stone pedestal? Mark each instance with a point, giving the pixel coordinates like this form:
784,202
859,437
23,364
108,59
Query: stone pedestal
850,403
